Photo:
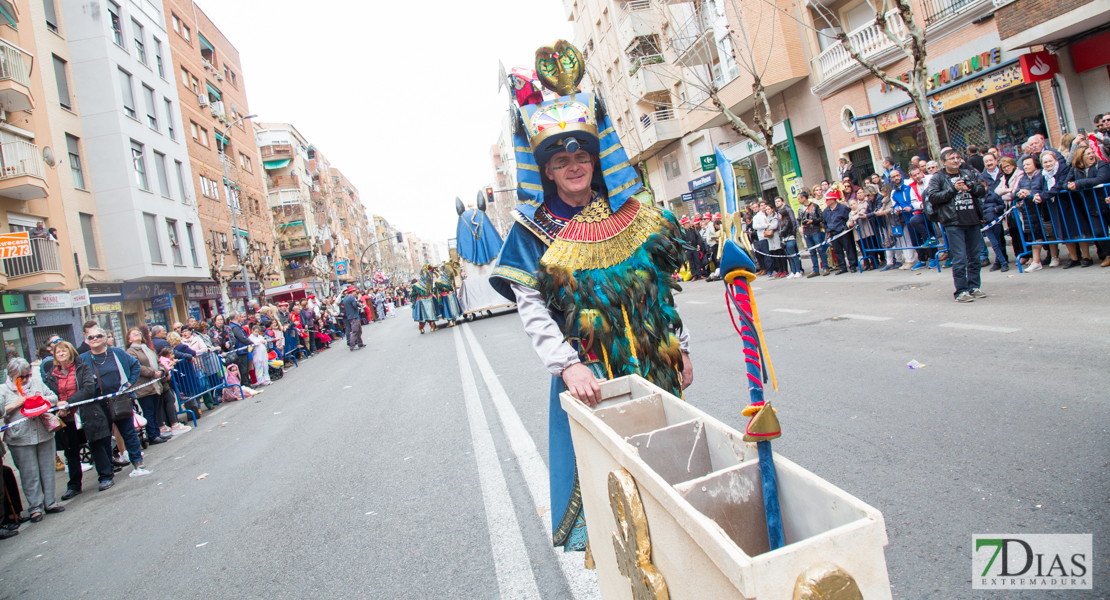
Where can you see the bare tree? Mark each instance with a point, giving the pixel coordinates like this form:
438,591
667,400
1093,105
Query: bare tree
218,254
896,20
259,260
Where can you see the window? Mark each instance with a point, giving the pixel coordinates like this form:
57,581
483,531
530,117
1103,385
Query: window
203,136
245,162
117,24
219,241
160,169
60,79
209,188
126,91
72,144
184,77
181,179
151,112
140,165
670,166
235,84
90,242
169,120
140,49
51,15
192,244
207,50
194,130
176,23
158,58
152,238
175,242
195,84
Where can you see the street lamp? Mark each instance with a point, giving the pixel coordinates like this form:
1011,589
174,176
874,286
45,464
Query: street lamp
234,221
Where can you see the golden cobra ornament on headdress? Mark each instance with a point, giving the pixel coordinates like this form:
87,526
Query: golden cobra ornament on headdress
560,67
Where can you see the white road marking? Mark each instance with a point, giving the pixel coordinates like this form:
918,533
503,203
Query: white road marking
510,558
694,302
582,582
793,311
980,327
865,318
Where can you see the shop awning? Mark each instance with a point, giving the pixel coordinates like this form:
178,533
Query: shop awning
276,164
281,289
213,91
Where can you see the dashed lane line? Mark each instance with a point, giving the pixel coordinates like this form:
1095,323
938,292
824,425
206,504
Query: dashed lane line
980,327
582,582
865,318
510,558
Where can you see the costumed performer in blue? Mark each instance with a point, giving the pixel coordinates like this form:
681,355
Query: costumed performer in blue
424,310
443,287
590,268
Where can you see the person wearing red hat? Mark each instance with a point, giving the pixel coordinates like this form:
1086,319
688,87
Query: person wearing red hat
25,400
695,247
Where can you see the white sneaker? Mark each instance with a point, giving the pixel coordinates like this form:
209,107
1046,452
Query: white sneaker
1029,268
165,430
138,472
86,467
1055,263
179,429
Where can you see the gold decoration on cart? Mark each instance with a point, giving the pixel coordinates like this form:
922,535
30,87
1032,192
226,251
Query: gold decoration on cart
632,541
826,581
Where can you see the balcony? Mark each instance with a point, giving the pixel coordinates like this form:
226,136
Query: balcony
657,129
638,19
288,215
15,84
647,75
295,246
693,41
283,182
21,171
835,68
42,270
276,156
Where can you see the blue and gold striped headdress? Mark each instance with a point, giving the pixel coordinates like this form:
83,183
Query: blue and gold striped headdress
571,122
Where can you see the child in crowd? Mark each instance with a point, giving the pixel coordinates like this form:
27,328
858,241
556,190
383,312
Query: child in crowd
233,381
259,357
166,359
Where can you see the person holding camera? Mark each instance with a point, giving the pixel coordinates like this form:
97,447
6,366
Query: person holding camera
812,229
956,196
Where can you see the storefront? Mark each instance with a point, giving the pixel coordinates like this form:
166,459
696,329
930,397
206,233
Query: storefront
701,199
57,313
237,294
997,108
106,303
15,320
202,300
289,293
755,180
148,303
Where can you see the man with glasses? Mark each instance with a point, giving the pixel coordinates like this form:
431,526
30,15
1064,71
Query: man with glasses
114,370
957,196
47,363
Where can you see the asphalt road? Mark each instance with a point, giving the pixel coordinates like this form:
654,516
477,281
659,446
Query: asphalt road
414,468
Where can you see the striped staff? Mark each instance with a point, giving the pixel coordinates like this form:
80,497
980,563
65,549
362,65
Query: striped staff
739,272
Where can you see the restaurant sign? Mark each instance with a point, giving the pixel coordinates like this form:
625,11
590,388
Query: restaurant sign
970,91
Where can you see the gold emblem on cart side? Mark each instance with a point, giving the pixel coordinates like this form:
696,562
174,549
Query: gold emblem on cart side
826,581
632,541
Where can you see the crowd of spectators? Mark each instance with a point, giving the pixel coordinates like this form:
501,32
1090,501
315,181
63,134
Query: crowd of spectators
141,403
942,214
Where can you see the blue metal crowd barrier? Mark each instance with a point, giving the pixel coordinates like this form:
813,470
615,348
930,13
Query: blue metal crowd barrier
878,234
1072,217
198,376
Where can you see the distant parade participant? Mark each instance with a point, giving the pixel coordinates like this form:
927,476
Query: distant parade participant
423,304
444,288
584,251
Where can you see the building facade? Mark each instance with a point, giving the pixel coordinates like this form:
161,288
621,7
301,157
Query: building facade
223,157
1076,34
137,158
302,240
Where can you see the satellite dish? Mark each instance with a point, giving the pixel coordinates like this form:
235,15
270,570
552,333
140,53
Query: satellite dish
459,208
481,201
48,156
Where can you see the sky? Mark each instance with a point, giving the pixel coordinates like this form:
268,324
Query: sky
402,97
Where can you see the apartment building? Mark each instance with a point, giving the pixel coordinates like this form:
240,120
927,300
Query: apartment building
351,227
37,299
139,170
223,155
658,62
977,89
502,190
1076,36
391,253
303,240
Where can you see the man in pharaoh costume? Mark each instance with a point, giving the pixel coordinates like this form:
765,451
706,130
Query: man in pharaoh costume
443,287
425,309
590,268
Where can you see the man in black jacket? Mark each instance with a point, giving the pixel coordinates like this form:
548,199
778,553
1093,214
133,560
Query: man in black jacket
956,196
812,228
835,217
351,312
695,248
